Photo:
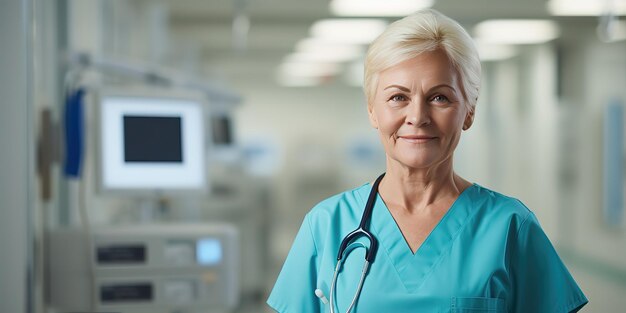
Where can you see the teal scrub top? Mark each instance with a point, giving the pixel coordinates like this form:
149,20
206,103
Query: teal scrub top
487,254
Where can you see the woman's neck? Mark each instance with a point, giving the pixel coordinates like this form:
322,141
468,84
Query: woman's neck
419,190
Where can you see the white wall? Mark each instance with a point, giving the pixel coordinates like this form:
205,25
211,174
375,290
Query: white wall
604,79
16,159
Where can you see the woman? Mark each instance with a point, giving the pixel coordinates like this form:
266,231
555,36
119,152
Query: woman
444,244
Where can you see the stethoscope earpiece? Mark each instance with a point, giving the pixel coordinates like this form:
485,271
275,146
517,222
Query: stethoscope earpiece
320,294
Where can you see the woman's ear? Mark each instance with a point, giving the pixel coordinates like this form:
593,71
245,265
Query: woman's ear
469,118
372,116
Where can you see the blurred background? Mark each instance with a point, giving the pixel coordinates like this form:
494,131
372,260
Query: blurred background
273,88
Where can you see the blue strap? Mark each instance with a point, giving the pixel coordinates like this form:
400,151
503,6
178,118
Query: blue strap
74,133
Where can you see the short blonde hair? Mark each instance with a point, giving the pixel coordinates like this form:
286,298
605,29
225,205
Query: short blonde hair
422,31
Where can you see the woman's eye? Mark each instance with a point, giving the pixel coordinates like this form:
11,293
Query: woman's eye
440,99
398,98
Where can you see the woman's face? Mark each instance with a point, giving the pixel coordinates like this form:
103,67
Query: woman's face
419,110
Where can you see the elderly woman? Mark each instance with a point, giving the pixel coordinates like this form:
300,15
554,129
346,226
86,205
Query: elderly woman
430,240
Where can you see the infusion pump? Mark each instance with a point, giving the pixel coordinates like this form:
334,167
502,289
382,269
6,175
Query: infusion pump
144,268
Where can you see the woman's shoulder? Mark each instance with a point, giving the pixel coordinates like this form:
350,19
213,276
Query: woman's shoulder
498,203
346,202
341,210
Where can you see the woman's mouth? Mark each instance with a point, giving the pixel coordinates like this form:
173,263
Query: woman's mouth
416,138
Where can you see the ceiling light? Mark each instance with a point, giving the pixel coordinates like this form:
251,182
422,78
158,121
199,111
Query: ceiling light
318,51
492,52
317,44
289,81
306,73
586,7
348,31
516,31
308,69
377,7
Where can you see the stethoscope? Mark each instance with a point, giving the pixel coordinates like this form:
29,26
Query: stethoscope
346,247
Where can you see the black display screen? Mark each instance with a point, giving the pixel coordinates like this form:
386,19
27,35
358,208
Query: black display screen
126,292
121,254
153,139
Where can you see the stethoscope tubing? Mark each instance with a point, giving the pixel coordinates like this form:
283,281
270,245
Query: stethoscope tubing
361,231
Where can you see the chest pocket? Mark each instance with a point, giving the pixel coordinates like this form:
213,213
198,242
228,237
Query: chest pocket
477,305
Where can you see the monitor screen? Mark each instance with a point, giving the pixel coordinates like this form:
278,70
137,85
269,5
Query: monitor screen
152,139
151,143
209,251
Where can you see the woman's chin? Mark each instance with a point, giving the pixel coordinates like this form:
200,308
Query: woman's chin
422,162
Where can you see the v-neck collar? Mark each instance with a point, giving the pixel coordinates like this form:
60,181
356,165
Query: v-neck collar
414,269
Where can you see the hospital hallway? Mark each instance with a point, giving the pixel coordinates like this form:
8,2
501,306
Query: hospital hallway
160,156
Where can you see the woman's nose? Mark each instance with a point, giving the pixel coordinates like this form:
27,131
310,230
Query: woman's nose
418,114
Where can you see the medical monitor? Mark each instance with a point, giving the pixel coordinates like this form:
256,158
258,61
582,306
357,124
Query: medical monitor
151,142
